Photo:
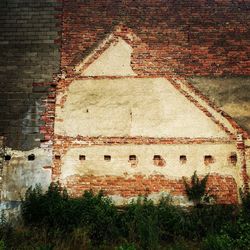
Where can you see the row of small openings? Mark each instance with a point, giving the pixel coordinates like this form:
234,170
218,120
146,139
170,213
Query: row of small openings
159,160
106,157
31,157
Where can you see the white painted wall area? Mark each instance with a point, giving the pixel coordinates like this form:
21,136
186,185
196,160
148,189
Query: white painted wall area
94,164
131,107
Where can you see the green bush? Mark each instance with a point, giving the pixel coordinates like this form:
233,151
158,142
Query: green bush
139,223
216,242
126,247
45,247
233,235
44,209
2,245
238,232
171,220
90,221
207,219
180,244
6,229
99,216
55,210
245,197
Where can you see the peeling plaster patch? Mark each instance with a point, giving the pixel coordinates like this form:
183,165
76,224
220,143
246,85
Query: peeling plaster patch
114,61
131,107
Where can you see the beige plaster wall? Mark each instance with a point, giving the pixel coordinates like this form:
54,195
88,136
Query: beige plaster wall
204,104
130,107
120,166
114,61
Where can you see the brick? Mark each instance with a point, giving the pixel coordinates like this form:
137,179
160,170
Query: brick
133,186
193,40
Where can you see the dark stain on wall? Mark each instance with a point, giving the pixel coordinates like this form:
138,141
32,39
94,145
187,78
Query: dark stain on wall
231,94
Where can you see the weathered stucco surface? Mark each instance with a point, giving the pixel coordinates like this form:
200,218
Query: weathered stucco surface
94,164
125,107
114,61
130,107
83,167
19,173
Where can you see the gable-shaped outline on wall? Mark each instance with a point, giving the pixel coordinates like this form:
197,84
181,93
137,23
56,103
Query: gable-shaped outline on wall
119,33
217,115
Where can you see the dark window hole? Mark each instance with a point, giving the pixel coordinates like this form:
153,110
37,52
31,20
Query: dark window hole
7,157
132,157
159,161
57,157
31,157
82,157
208,159
107,157
183,159
233,158
157,157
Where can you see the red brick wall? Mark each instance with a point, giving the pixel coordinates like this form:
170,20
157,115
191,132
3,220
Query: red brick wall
224,188
189,37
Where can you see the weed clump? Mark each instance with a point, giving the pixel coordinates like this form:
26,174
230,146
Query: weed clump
196,190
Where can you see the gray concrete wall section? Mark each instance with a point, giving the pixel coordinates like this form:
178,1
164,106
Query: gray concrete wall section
28,54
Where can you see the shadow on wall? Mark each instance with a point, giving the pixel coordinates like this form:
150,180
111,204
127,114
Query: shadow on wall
28,54
231,94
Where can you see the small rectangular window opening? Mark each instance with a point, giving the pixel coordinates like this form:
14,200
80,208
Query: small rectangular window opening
132,157
233,158
208,159
7,157
31,157
82,157
157,157
133,160
183,159
159,161
107,157
58,157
